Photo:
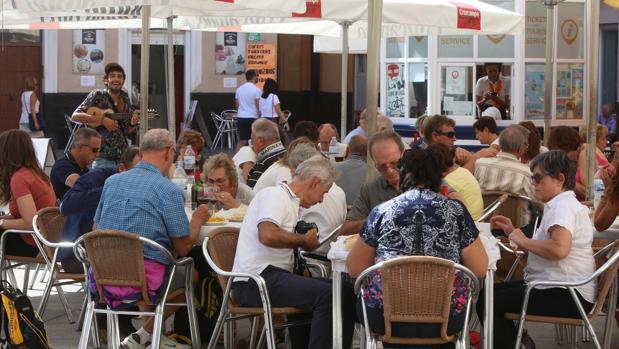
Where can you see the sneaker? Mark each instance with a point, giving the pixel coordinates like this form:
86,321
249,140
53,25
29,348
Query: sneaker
132,341
167,343
527,341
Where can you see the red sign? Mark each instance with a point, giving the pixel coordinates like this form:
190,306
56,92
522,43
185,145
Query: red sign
393,71
229,1
313,9
469,17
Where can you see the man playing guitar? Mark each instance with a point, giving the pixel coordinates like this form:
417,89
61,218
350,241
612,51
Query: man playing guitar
113,132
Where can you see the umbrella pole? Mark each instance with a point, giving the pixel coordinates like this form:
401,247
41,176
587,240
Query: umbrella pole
375,14
344,89
144,60
549,77
170,70
592,73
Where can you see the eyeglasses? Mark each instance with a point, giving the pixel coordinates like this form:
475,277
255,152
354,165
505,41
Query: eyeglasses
387,166
218,181
94,149
537,177
450,134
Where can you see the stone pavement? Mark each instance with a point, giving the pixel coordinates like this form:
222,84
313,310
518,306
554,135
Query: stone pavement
64,335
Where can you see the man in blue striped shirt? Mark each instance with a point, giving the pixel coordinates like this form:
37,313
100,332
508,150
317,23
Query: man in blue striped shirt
143,201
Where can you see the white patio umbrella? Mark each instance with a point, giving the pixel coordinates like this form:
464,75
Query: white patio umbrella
74,10
349,19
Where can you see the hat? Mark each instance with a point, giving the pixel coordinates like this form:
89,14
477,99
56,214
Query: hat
110,67
492,112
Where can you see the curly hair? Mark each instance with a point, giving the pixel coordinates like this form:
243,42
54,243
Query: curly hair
16,151
421,168
221,160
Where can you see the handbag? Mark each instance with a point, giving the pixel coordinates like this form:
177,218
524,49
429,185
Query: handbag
39,116
282,123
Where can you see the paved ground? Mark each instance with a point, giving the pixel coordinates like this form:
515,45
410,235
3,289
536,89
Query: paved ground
64,335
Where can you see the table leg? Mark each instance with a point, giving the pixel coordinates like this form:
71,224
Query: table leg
489,306
337,309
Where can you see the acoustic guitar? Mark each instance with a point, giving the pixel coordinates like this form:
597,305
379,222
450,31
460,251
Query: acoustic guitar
109,113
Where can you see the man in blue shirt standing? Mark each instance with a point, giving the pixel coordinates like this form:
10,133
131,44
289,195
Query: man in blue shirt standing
143,201
609,119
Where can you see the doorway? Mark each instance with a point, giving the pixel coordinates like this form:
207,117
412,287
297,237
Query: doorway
157,86
21,59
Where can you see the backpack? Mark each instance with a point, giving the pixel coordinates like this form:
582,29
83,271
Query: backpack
20,325
208,300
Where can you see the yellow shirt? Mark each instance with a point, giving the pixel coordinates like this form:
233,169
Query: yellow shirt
463,181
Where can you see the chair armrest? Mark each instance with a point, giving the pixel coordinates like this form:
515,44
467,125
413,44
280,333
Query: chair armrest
492,207
321,268
506,248
595,275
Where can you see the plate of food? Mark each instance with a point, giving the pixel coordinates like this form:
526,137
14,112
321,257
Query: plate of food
235,214
213,221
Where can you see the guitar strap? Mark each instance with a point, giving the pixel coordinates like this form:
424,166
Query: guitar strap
110,100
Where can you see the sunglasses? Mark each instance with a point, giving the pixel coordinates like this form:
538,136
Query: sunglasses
537,177
450,134
94,150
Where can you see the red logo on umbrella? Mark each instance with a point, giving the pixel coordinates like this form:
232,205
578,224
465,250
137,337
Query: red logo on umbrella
313,9
393,71
469,17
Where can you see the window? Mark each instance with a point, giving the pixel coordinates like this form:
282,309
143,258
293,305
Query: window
454,46
457,90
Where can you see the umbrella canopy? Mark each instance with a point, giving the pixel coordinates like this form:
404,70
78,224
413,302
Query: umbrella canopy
348,19
400,18
159,8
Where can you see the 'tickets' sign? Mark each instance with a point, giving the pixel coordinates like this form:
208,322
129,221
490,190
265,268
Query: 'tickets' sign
469,17
262,58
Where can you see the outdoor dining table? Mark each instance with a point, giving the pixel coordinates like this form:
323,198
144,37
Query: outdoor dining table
338,254
208,227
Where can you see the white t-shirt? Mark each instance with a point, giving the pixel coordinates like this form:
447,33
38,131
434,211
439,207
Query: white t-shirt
244,194
565,210
278,205
328,214
25,106
274,175
483,86
247,94
267,106
245,154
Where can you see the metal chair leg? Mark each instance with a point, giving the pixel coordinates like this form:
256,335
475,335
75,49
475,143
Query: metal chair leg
26,276
88,325
585,335
253,332
158,323
80,321
558,334
65,304
218,327
34,277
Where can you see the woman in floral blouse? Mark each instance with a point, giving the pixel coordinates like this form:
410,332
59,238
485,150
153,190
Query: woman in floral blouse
419,222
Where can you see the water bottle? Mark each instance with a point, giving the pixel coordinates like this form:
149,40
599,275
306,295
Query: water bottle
334,148
598,188
179,178
189,160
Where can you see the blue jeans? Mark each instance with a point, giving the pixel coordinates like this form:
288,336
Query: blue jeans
105,163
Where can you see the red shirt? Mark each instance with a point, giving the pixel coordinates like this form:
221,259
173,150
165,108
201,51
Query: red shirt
24,182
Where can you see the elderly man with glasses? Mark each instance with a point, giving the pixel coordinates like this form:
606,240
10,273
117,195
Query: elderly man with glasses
68,170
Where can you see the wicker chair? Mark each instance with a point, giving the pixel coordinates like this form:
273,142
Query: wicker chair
606,276
116,259
516,207
219,248
47,225
417,289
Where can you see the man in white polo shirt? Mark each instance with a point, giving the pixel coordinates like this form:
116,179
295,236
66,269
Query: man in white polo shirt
246,99
266,246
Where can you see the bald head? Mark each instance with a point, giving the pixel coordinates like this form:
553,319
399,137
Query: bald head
358,145
513,138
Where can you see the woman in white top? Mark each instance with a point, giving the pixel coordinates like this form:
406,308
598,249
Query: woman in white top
269,102
30,106
560,250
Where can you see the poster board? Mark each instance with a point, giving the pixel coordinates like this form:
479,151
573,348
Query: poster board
88,51
45,153
230,53
262,58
